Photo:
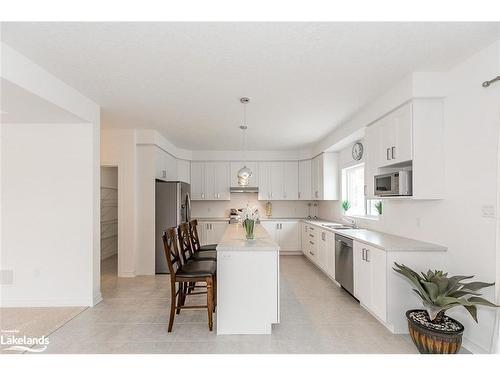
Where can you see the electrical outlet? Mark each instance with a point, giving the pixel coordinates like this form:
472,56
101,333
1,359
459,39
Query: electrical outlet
418,222
488,210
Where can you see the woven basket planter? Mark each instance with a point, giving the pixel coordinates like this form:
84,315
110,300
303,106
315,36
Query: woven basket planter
432,340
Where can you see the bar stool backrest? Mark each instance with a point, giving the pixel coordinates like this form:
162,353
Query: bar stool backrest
172,250
186,249
193,231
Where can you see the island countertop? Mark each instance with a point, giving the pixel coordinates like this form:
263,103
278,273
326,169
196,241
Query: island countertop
234,240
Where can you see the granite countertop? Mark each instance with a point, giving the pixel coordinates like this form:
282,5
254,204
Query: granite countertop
384,241
234,240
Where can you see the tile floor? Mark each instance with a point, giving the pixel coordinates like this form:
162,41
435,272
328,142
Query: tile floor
316,317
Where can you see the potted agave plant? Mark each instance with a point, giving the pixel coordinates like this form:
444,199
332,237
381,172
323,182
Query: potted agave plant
346,205
249,217
431,330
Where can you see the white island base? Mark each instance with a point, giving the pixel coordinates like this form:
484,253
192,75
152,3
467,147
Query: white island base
247,282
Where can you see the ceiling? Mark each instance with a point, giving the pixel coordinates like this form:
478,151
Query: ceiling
19,106
185,79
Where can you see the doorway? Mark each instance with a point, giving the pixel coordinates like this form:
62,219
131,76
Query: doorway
109,222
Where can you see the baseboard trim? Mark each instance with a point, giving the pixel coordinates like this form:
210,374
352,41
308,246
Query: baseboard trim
45,303
126,274
97,299
295,253
473,347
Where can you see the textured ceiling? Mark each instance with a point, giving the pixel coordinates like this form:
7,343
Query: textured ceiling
185,79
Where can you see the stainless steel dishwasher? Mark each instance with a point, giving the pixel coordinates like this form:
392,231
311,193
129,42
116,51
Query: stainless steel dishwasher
344,263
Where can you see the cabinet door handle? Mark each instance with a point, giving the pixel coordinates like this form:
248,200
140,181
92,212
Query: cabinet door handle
312,243
323,236
299,194
363,254
387,154
393,152
366,256
364,189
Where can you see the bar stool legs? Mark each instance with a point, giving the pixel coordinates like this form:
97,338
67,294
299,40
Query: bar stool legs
210,302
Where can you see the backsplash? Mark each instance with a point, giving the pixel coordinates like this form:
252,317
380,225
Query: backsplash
281,209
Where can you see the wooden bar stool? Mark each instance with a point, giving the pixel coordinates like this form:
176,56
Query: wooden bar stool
184,274
188,252
195,239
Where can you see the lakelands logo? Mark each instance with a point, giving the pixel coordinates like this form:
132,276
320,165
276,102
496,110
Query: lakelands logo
22,343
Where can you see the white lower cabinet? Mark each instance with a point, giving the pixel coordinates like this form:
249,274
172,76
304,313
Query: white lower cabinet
211,232
285,233
370,272
319,246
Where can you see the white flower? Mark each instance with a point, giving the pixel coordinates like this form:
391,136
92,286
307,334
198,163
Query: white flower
250,213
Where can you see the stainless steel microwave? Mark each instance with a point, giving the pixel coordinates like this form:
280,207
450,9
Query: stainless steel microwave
393,184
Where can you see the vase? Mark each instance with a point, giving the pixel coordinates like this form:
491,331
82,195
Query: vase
249,226
443,337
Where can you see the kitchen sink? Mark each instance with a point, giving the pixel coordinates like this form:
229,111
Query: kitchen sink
338,227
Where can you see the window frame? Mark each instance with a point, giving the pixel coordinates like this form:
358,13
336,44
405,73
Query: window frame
345,195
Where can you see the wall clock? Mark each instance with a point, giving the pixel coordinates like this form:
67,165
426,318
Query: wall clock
357,151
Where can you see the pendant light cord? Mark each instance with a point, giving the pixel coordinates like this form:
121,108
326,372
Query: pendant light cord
245,134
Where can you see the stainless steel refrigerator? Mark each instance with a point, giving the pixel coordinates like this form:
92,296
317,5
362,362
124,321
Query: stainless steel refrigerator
172,207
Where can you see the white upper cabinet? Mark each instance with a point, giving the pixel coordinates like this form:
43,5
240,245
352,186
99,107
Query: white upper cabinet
290,180
222,181
278,180
197,180
166,166
410,137
305,181
325,176
395,141
183,171
210,181
265,180
237,165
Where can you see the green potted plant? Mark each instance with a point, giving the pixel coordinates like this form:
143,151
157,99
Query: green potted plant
346,205
378,207
431,330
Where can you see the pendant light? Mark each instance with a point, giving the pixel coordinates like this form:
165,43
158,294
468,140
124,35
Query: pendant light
244,174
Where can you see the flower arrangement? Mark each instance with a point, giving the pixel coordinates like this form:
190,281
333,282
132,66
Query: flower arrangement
249,216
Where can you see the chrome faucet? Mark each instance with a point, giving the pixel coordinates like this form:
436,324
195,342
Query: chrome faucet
351,221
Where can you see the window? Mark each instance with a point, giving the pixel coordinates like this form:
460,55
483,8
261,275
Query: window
353,191
371,207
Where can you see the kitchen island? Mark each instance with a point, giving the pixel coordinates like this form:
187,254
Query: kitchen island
247,282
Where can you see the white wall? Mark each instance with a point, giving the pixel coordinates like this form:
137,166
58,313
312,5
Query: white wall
471,157
24,73
47,214
281,209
